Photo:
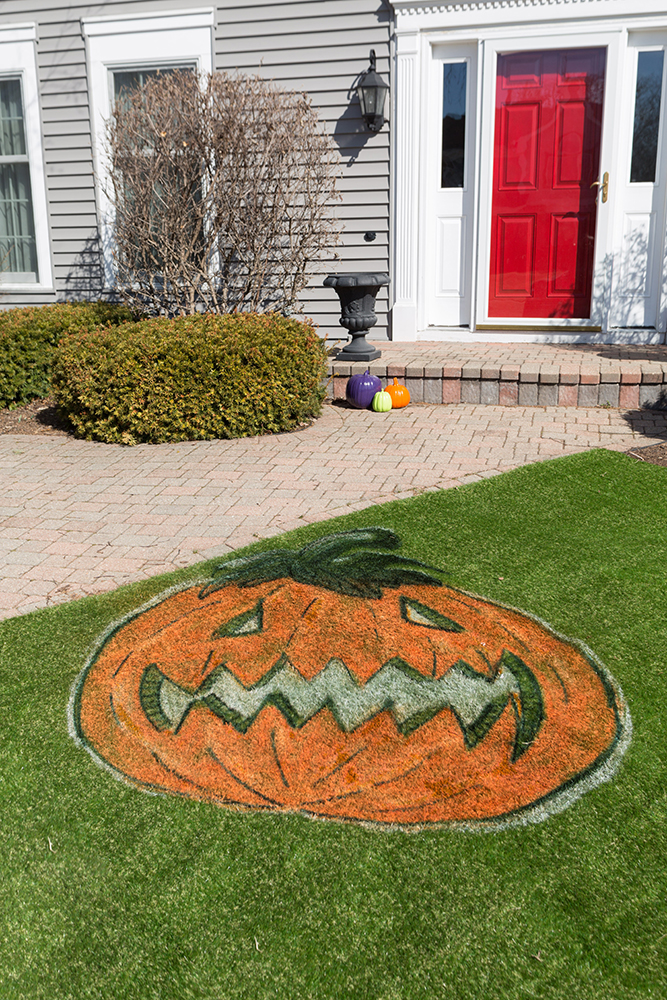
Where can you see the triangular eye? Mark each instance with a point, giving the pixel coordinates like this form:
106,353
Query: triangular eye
419,614
247,623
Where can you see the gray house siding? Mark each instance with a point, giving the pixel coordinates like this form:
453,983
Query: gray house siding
318,46
321,48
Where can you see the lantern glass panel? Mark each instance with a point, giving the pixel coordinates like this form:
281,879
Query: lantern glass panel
368,98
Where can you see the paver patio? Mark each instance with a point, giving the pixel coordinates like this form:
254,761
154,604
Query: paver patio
81,518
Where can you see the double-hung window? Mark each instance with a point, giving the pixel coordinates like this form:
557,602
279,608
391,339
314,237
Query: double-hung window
123,51
25,258
18,247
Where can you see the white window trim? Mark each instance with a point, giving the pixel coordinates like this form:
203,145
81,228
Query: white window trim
18,59
120,42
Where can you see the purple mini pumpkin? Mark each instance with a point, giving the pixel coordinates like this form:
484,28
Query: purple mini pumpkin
361,389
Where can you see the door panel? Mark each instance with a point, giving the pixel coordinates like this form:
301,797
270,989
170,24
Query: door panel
569,158
524,69
516,247
546,157
567,235
519,130
451,254
638,238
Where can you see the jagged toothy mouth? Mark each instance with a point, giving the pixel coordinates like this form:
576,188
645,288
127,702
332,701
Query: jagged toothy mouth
476,700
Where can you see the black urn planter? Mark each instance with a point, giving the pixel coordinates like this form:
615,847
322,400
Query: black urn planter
357,291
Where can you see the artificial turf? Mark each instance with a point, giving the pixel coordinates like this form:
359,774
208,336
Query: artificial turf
107,892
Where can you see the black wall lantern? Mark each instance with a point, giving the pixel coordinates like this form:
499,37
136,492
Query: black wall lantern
372,91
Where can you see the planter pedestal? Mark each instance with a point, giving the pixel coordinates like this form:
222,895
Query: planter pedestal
357,291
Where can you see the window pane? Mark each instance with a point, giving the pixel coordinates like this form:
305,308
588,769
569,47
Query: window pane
162,192
131,79
453,124
647,117
12,135
18,251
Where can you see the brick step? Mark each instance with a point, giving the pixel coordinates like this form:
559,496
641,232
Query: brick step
624,384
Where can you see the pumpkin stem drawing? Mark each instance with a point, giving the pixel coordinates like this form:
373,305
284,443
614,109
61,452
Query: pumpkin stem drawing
345,681
344,563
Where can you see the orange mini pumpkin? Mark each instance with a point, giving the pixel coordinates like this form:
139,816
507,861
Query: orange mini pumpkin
400,395
347,682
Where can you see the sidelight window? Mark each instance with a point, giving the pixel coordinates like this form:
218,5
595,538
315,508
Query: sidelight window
454,94
646,127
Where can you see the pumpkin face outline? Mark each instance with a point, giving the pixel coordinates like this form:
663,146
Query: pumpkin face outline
255,612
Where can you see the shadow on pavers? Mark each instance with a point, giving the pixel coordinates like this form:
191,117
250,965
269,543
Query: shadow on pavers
651,420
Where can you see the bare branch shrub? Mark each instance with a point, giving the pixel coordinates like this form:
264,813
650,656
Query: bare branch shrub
223,189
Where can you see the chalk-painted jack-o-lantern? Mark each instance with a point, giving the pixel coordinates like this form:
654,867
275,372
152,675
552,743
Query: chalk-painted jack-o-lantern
345,681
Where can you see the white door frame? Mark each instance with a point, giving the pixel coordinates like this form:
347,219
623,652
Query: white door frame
448,234
571,38
417,38
647,199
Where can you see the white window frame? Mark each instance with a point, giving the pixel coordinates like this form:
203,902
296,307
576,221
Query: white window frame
18,61
134,42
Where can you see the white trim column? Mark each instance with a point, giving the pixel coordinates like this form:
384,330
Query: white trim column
406,142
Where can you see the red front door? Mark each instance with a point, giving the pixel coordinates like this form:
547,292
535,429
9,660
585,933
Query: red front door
546,156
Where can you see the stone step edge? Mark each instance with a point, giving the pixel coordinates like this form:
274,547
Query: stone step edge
518,385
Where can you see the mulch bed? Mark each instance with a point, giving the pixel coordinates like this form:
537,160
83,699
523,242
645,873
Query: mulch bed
41,417
656,454
38,417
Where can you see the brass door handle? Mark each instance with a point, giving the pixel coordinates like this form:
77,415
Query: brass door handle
603,185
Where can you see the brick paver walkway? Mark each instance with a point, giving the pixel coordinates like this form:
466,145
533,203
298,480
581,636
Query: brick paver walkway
79,518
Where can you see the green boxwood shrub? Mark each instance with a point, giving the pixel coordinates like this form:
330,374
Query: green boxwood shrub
191,378
29,336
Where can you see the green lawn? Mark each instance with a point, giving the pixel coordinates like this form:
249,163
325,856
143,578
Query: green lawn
108,892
